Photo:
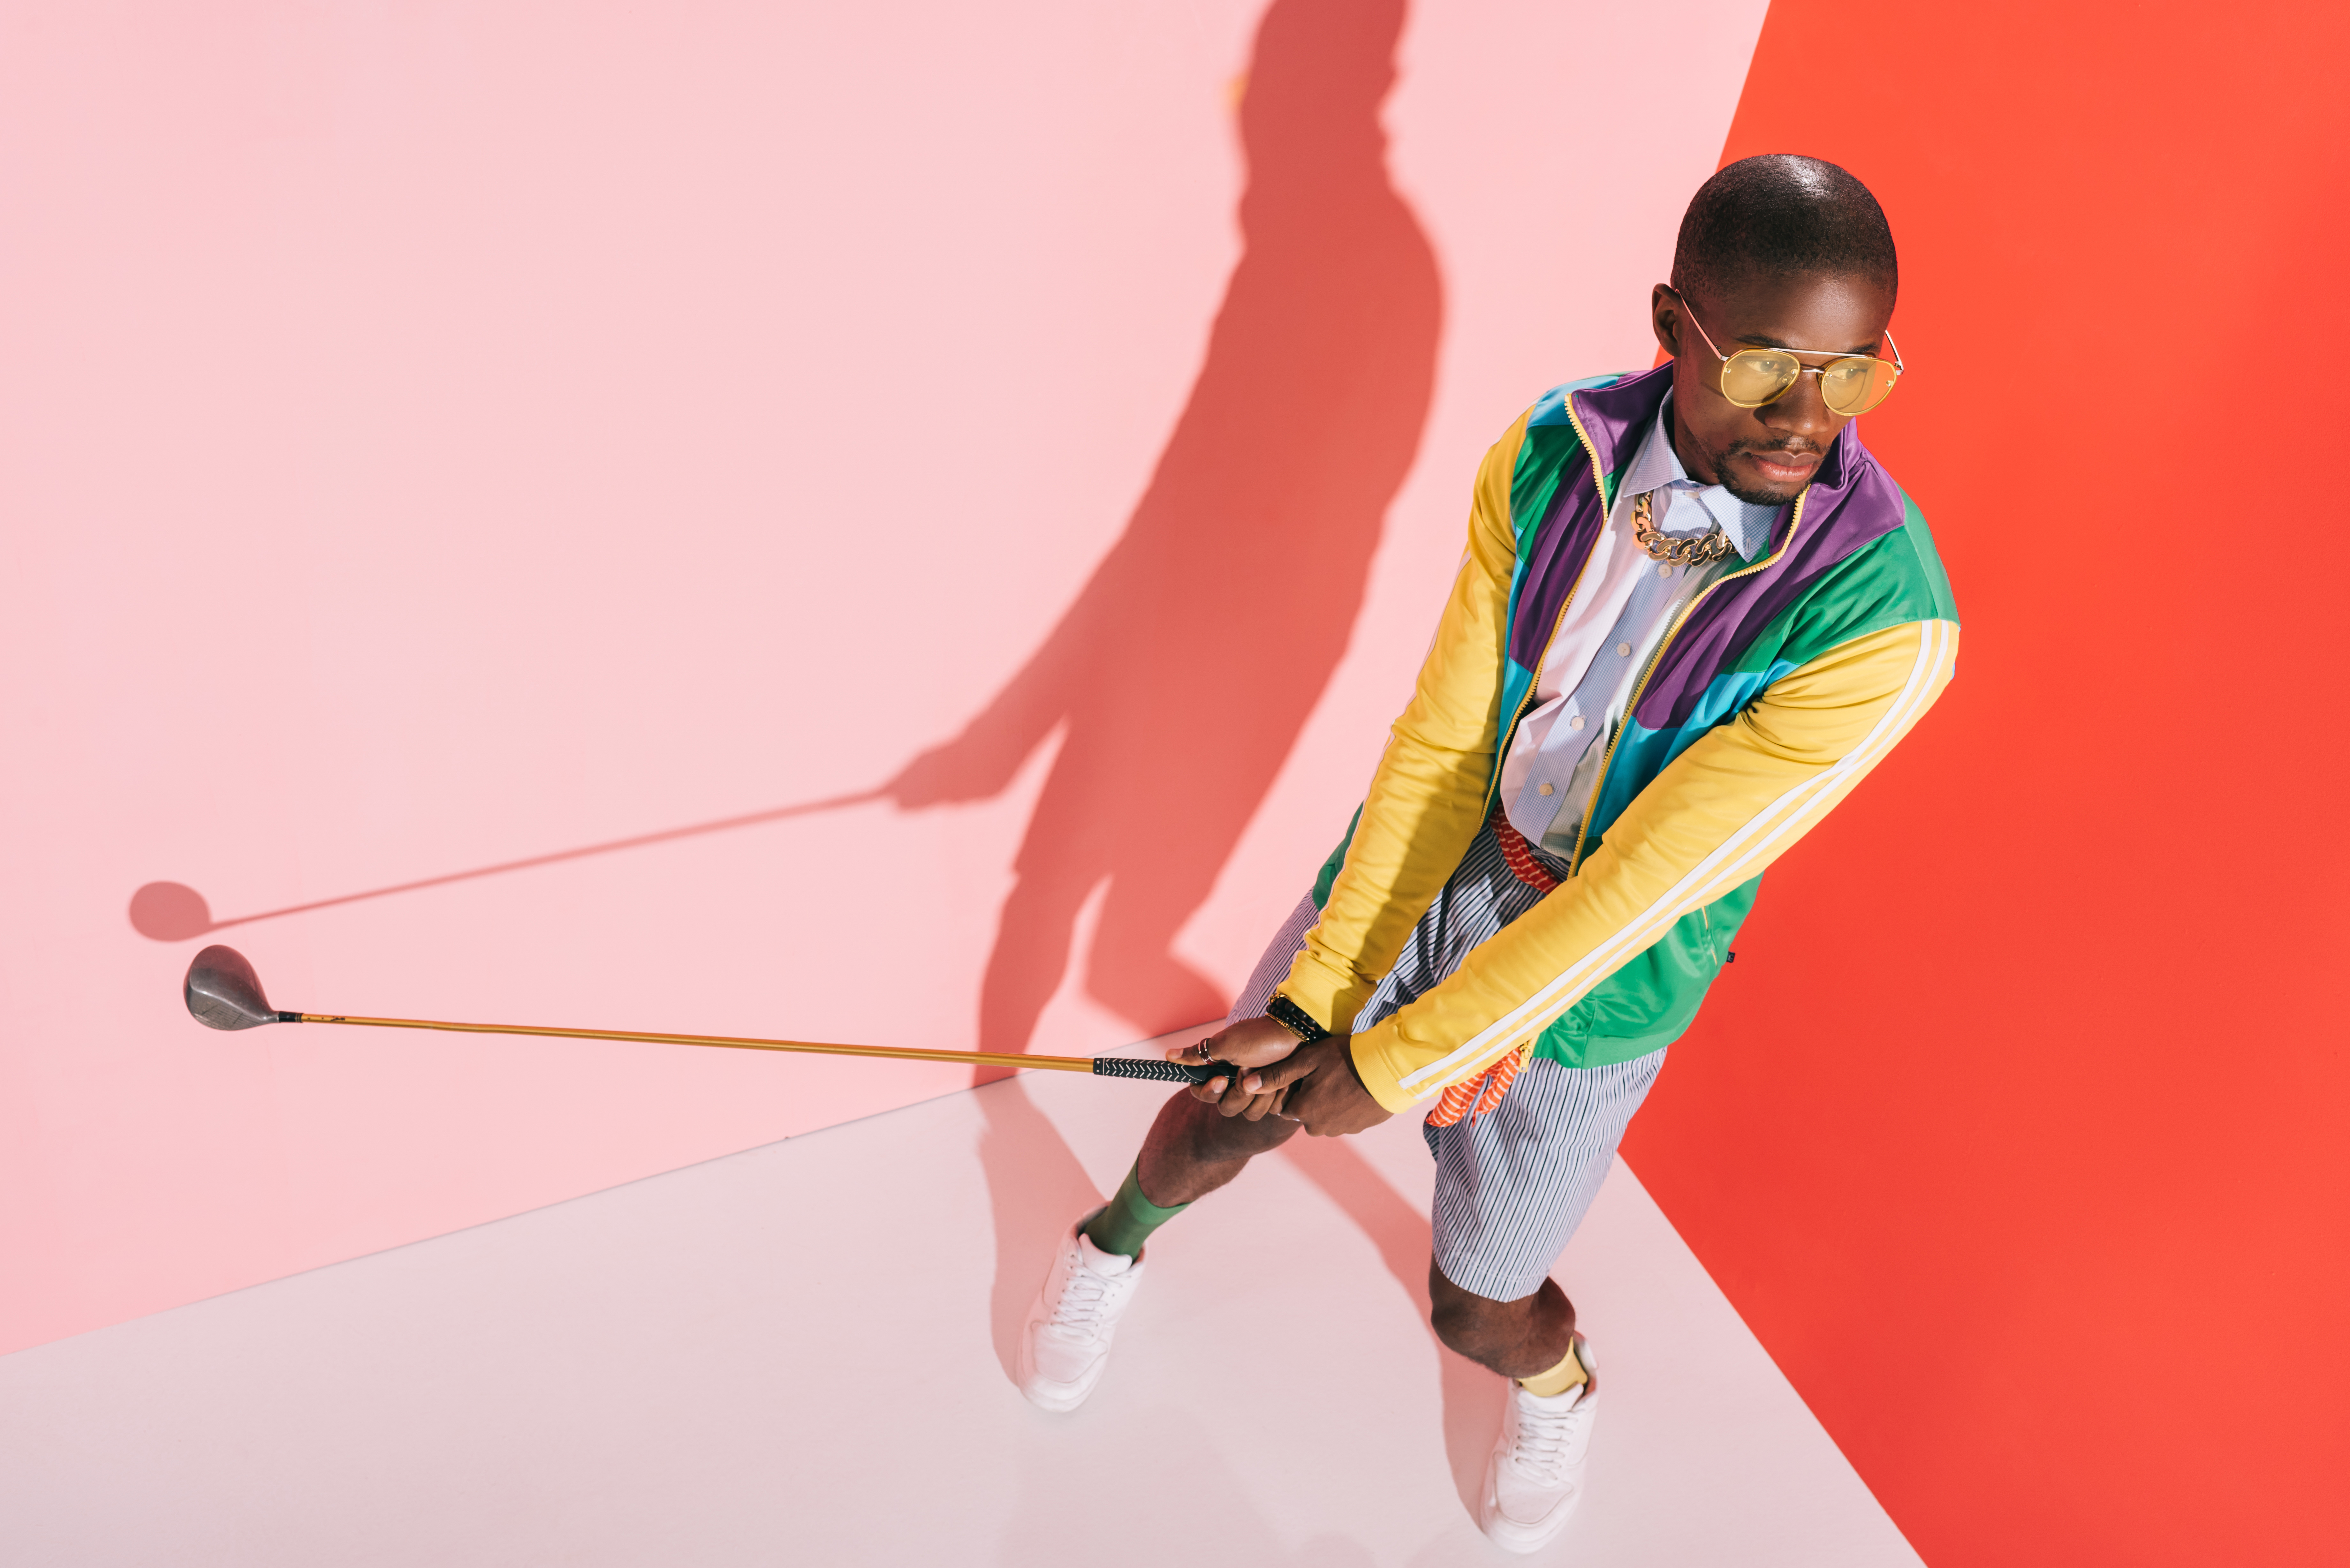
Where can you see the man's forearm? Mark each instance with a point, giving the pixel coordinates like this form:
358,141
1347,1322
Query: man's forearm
1428,797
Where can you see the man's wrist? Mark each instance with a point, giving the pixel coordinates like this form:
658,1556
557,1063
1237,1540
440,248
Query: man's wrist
1346,1055
1295,1018
1379,1062
1342,1046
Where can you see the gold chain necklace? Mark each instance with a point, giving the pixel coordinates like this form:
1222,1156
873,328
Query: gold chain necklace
1711,546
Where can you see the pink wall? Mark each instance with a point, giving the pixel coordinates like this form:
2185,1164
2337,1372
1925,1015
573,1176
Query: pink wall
436,437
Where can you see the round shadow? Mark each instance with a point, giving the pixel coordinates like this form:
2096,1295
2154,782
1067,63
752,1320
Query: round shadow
170,912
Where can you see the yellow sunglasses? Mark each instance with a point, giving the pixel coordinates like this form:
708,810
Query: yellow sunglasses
1850,384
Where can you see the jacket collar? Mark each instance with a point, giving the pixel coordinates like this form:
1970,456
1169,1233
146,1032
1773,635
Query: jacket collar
1614,418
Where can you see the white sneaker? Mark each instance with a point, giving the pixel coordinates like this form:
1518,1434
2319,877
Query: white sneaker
1064,1345
1536,1476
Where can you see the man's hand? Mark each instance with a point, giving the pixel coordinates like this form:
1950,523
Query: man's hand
1317,1085
1251,1042
944,775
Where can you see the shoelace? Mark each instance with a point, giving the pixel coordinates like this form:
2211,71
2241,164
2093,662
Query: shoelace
1079,1309
1540,1452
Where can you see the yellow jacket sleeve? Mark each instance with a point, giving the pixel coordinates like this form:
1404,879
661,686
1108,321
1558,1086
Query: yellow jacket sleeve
1724,809
1428,797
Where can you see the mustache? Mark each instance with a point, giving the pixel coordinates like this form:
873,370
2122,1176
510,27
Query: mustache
1794,446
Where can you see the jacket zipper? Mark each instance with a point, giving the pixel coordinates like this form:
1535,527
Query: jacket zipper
1656,657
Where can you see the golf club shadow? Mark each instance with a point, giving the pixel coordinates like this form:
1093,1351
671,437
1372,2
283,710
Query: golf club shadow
174,912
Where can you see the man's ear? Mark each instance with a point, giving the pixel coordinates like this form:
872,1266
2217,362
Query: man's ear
1665,318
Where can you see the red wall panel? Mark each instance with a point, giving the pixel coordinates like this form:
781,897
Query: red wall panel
2019,1131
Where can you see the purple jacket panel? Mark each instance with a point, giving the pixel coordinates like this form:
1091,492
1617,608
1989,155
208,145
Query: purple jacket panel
1563,540
1850,504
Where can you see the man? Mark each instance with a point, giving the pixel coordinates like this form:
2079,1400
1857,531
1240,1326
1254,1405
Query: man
1693,613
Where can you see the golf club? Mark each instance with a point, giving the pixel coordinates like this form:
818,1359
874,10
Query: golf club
223,992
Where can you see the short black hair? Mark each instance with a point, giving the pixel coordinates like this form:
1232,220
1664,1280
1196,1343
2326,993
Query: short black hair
1782,215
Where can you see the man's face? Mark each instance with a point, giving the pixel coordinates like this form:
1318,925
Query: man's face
1764,455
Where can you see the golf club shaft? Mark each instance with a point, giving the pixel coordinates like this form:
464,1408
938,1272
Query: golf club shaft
731,1043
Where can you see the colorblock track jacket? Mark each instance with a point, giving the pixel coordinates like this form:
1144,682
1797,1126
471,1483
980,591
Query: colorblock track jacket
1780,687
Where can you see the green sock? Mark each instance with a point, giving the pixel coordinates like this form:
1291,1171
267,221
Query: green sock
1126,1222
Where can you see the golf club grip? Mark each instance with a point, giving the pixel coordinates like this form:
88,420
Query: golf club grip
1166,1072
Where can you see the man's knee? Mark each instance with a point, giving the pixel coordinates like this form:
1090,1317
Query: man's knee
1463,1319
1200,1132
1492,1333
1467,1325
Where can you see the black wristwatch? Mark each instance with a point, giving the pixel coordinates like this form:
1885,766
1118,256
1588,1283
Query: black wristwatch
1295,1018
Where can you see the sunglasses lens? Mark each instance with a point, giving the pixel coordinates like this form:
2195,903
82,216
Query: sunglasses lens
1852,387
1753,377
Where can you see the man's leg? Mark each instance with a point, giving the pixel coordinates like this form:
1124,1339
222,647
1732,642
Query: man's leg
1511,1187
1191,1150
1522,1339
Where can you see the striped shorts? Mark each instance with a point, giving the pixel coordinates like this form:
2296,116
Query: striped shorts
1511,1185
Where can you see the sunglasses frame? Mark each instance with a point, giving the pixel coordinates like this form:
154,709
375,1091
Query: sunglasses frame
1722,377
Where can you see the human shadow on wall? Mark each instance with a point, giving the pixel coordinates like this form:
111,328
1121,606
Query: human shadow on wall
1182,673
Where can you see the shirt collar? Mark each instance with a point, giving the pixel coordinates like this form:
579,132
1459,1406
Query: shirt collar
1657,465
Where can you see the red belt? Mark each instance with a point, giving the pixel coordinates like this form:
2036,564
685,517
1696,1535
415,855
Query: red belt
1517,852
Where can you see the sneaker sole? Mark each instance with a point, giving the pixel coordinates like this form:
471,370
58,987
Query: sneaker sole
1524,1539
1058,1397
1054,1400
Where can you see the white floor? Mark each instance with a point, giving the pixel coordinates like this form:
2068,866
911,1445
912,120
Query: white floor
797,1355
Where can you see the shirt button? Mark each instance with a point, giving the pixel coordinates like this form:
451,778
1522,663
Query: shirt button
1576,722
1664,568
1542,789
1623,650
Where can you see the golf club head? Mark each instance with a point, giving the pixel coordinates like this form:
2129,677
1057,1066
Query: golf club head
223,992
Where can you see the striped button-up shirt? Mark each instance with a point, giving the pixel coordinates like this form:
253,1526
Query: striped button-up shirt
1621,606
